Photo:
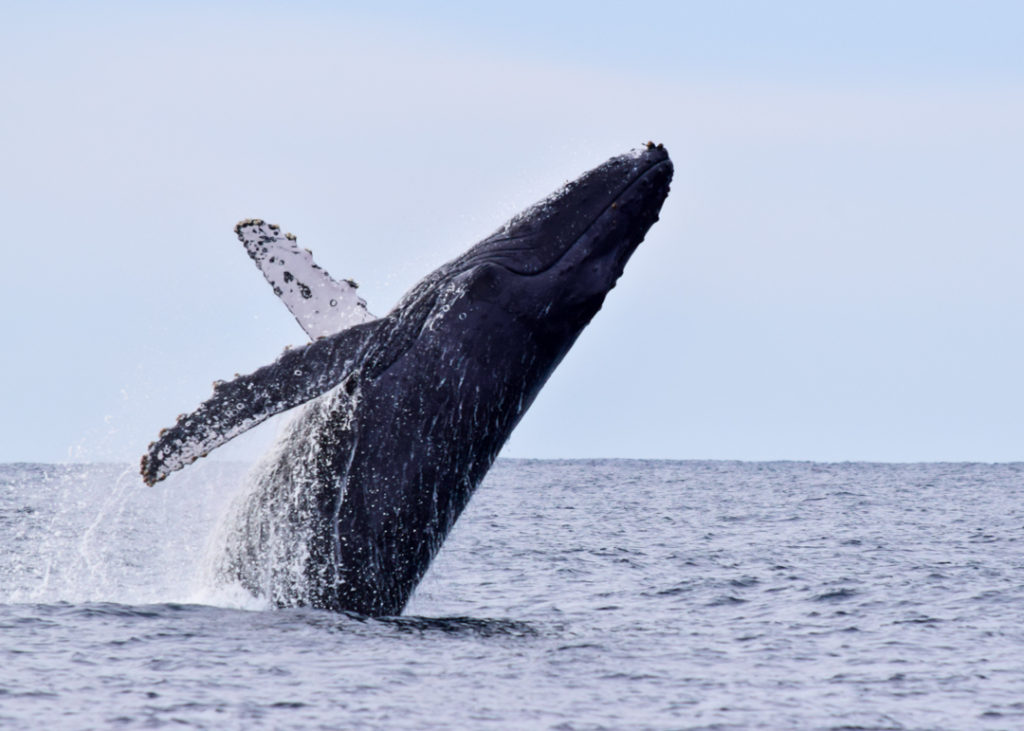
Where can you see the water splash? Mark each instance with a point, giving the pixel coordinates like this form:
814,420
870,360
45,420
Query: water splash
95,533
218,533
275,530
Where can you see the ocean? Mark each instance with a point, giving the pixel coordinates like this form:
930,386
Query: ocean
578,594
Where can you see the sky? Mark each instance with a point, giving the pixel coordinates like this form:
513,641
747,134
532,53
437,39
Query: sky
836,275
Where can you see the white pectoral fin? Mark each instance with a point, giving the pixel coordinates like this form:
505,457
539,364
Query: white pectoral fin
321,305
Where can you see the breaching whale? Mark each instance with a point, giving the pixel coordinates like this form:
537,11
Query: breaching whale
405,414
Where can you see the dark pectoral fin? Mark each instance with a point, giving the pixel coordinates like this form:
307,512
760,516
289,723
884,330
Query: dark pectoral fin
236,406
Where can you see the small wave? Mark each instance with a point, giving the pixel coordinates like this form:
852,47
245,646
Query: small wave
460,626
455,626
836,596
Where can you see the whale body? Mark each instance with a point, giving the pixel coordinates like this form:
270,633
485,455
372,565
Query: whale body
402,416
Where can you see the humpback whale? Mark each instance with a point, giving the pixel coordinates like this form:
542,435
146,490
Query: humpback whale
401,416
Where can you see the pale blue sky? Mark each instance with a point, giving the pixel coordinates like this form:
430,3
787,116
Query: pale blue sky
837,273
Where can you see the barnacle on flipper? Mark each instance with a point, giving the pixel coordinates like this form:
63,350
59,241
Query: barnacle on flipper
248,222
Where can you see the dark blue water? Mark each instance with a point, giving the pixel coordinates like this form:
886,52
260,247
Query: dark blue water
571,595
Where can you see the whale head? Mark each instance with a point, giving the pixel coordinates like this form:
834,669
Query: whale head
554,263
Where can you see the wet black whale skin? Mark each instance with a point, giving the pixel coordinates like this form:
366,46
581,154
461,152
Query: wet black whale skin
414,407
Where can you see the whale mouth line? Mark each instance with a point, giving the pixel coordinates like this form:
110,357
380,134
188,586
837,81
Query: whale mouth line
590,226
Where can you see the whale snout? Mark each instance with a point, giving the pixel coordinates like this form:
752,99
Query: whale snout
541,236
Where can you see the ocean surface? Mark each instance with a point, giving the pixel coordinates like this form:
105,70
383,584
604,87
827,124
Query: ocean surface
571,595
